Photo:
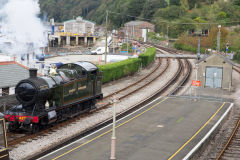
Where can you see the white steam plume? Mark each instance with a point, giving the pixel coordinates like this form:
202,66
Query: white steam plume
21,30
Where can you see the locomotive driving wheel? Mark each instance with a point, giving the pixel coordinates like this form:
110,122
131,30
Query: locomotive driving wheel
13,127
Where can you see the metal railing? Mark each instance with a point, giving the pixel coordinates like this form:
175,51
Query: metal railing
198,93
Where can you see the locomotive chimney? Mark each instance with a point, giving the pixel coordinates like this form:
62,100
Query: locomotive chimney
33,72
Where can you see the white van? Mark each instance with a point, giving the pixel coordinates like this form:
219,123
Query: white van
99,50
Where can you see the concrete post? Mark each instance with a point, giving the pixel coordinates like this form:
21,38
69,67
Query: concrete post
59,41
76,40
85,40
68,41
4,107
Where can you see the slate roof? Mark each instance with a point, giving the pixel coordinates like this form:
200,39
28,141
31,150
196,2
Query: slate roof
226,59
134,23
11,74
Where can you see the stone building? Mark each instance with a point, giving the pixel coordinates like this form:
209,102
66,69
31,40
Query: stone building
138,29
10,74
79,26
215,71
73,33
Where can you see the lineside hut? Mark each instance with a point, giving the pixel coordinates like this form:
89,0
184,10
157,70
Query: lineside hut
215,71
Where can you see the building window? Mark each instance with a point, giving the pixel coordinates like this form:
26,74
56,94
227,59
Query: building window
5,91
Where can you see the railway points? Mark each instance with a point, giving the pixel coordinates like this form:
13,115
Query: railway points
167,128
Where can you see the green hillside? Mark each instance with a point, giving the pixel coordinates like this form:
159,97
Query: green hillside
174,12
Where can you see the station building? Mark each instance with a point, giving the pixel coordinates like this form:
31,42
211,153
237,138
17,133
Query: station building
215,71
73,33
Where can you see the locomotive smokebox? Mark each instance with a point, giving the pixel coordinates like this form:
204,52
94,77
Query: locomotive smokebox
33,72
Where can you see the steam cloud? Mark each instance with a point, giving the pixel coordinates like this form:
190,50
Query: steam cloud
21,29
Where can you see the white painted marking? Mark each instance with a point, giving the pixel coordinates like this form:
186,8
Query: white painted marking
160,126
207,135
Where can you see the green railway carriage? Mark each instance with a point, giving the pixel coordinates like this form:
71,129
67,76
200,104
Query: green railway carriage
73,89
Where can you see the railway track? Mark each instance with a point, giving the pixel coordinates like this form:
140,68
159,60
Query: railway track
231,150
237,69
16,138
123,93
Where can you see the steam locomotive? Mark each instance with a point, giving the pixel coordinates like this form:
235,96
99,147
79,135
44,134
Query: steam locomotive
73,89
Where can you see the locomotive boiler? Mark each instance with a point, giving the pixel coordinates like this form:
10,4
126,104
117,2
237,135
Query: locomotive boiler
73,89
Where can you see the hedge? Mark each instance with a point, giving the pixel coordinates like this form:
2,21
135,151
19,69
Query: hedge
148,56
120,69
126,67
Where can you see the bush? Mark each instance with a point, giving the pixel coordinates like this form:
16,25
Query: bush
189,48
153,36
148,56
124,47
129,66
237,56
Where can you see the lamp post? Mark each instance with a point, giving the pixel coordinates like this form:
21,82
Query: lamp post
167,35
196,67
113,139
199,46
199,34
219,38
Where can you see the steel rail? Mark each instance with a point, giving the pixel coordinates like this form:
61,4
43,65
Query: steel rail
229,141
15,141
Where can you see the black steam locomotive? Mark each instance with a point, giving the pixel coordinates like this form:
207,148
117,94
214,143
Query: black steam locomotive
71,90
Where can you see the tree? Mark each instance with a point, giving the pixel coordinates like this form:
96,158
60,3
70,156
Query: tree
151,6
135,7
169,13
192,3
184,5
236,2
175,2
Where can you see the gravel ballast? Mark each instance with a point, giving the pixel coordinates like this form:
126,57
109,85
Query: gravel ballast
52,139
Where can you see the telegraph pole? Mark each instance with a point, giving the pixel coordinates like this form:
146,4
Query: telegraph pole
106,45
127,40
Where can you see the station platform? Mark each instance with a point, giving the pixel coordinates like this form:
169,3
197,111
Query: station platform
167,129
